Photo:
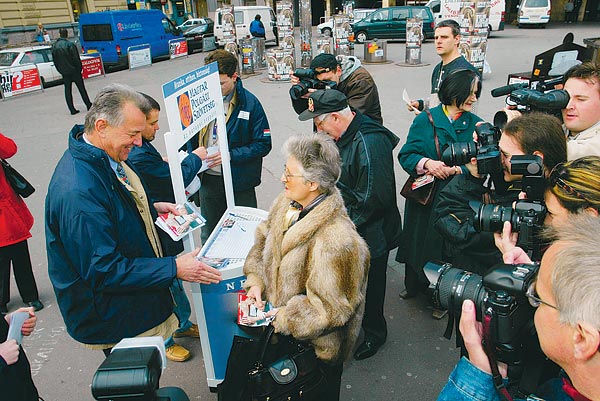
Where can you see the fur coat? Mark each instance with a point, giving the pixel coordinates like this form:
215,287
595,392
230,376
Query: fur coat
315,272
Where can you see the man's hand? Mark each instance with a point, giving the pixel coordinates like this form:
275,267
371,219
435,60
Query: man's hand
255,292
506,241
29,324
214,159
200,152
9,351
516,256
472,333
413,106
191,269
472,167
438,169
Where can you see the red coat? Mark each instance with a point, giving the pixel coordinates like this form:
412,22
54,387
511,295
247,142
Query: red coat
15,218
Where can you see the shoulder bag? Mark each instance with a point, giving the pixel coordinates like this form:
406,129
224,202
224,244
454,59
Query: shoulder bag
422,194
18,183
295,376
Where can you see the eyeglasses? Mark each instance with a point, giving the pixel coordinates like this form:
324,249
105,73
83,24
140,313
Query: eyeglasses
556,175
534,299
287,175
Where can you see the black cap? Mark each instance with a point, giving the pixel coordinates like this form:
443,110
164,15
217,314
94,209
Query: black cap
324,61
323,101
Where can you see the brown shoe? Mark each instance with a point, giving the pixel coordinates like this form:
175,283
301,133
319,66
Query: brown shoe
191,332
177,353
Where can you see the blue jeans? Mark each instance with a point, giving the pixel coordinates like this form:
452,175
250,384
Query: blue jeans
182,309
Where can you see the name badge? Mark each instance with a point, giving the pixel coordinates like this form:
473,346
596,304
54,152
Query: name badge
244,115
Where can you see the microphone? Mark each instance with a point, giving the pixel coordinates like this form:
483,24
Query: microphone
505,90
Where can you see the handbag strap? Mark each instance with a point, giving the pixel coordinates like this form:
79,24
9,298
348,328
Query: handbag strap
264,343
435,137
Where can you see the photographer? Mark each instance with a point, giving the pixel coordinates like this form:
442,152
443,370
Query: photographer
573,187
351,79
567,297
464,246
581,117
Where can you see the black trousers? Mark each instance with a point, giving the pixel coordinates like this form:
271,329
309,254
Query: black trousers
374,323
18,255
78,80
213,201
333,374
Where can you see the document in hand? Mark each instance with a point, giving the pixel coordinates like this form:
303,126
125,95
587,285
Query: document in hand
188,220
16,323
250,315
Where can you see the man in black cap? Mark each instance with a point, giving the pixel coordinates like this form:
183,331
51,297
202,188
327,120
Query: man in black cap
352,79
368,186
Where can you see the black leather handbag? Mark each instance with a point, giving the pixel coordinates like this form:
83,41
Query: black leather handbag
18,183
294,376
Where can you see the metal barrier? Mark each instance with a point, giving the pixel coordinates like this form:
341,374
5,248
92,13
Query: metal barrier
139,56
19,80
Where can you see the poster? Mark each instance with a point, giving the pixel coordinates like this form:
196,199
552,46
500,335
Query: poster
285,24
91,66
342,35
139,56
178,48
280,64
18,80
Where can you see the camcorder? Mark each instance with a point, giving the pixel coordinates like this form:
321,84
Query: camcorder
537,96
308,81
485,150
500,294
525,216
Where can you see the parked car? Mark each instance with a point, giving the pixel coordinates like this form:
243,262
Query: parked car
326,28
195,36
495,22
390,23
191,23
534,12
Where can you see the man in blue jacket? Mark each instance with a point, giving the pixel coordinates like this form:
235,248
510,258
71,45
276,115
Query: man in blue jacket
155,173
105,259
249,139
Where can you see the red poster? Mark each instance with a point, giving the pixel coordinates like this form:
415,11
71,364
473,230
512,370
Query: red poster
91,67
25,80
178,49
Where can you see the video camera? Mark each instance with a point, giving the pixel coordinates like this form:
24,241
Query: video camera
537,96
500,294
485,150
308,81
131,372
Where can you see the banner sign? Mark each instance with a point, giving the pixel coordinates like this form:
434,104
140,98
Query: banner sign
139,56
18,80
178,48
91,66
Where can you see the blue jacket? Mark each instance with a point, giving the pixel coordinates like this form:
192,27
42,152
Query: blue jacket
468,383
108,283
249,139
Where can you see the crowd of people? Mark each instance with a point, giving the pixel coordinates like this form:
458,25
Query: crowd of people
321,256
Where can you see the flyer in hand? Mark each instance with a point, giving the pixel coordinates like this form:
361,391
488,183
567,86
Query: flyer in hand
177,227
250,315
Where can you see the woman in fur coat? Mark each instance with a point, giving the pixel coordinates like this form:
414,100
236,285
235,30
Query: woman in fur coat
308,260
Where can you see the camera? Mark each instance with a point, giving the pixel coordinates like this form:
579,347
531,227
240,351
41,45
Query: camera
500,294
308,81
485,150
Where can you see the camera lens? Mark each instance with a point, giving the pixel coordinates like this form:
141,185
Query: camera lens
460,153
451,286
491,218
297,91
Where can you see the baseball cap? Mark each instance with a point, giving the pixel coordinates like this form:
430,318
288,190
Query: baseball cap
325,61
323,101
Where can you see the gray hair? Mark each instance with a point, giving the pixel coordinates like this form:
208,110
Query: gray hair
576,273
319,158
108,105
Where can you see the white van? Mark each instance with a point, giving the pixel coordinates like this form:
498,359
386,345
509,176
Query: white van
244,15
534,12
496,20
326,28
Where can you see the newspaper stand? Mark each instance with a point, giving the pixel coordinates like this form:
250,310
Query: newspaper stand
192,102
258,51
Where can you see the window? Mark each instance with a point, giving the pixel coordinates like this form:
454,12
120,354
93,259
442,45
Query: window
421,13
34,57
380,16
97,33
6,59
399,14
536,3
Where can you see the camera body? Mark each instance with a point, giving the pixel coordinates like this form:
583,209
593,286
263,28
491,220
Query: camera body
485,150
500,293
308,81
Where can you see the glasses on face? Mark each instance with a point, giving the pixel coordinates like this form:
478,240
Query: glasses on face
556,179
534,299
287,175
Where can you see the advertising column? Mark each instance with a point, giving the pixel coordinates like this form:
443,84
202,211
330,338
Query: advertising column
280,60
305,33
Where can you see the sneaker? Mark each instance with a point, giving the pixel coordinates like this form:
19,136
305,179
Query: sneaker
37,305
191,332
177,353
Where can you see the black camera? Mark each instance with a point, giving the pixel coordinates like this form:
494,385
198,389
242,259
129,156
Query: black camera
308,81
485,150
500,293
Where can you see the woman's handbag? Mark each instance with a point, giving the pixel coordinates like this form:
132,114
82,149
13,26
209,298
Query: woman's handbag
18,183
294,376
421,189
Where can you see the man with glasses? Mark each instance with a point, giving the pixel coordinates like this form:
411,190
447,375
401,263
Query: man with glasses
566,296
581,117
368,187
351,78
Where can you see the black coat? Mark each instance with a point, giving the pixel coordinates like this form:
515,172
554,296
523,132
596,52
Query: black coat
16,383
66,57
